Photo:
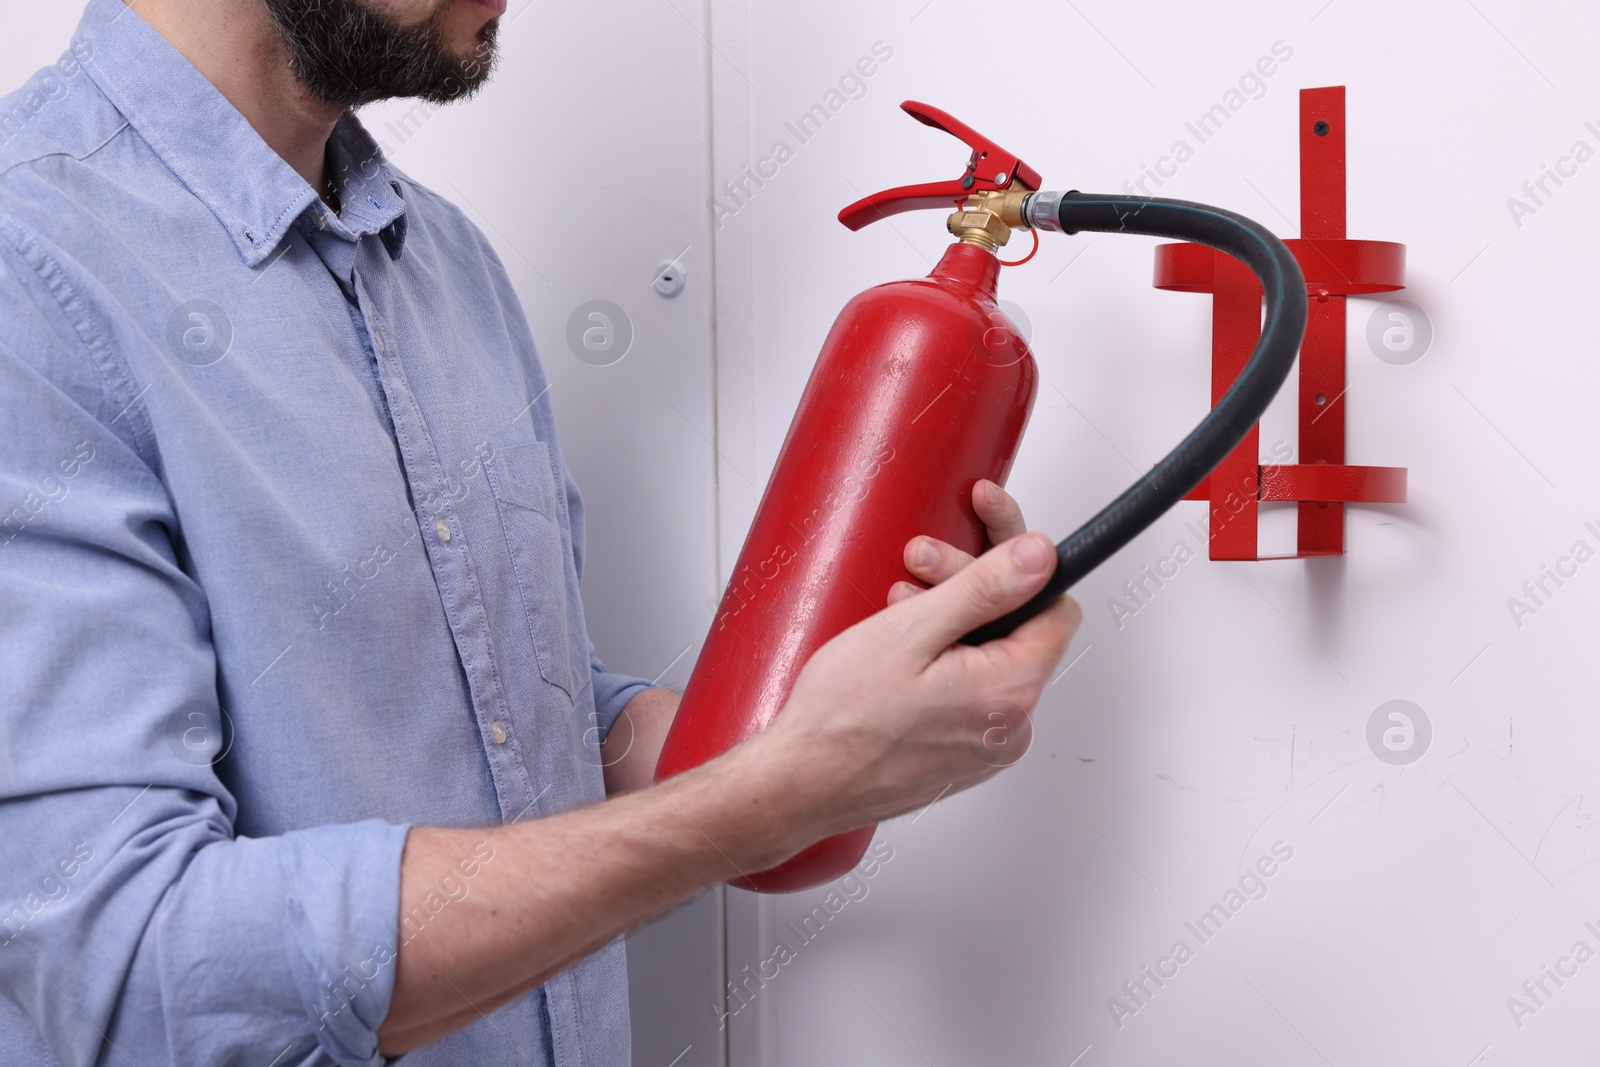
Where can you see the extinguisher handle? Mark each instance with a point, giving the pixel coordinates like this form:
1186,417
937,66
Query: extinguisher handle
1240,408
989,169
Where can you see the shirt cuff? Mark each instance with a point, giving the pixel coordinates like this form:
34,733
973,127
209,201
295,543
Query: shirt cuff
342,934
612,693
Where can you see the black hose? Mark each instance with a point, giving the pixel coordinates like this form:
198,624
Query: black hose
1221,430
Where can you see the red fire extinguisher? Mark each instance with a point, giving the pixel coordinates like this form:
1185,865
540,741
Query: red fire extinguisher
922,388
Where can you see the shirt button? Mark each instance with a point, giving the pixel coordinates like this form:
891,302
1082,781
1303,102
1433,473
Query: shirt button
497,730
377,340
442,528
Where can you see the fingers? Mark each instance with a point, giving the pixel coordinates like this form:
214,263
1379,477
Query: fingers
932,561
999,510
901,590
1001,579
929,560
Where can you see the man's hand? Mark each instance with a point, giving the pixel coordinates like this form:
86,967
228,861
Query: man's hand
884,717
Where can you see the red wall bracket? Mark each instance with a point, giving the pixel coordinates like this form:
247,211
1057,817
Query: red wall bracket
1334,268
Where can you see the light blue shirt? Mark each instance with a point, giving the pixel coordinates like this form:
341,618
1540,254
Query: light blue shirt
289,561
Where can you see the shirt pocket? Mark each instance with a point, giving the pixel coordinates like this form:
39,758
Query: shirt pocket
530,514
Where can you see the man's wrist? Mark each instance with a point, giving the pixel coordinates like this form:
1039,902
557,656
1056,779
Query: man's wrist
756,806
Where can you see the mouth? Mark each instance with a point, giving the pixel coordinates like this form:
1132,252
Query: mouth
494,8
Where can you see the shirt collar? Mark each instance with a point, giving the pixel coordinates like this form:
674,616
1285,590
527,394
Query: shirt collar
370,196
217,154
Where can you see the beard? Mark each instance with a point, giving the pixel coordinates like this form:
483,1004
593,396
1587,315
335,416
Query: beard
346,54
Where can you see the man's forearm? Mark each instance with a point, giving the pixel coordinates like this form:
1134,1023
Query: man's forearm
558,889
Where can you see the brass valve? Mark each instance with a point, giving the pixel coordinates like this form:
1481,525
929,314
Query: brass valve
987,218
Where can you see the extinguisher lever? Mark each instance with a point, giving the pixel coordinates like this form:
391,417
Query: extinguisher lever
990,168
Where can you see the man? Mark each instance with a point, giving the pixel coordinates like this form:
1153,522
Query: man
302,734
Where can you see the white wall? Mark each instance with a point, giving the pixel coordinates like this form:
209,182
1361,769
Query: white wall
1231,712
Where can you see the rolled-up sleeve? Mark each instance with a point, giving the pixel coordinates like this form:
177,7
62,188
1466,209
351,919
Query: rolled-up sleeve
612,691
134,924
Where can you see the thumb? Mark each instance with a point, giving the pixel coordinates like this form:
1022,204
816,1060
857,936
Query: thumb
1001,579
